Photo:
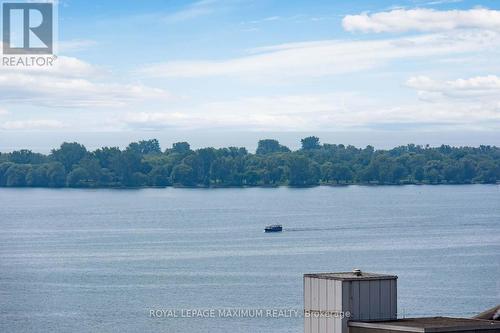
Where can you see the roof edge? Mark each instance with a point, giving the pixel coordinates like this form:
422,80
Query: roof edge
482,325
369,276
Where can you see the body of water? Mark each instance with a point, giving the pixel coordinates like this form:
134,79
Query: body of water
100,260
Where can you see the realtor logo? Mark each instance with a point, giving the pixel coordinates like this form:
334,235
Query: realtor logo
28,28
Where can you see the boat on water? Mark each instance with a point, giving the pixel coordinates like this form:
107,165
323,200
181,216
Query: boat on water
273,228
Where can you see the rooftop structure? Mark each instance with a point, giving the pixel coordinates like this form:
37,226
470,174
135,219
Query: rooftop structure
361,302
426,325
351,276
332,299
491,314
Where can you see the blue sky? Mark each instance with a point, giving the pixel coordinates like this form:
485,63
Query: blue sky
387,71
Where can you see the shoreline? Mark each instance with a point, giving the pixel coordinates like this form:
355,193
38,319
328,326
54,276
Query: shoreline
178,186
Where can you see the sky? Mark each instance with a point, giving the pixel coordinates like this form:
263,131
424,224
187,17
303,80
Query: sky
230,72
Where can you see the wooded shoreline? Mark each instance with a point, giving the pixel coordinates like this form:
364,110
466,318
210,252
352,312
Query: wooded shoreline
144,164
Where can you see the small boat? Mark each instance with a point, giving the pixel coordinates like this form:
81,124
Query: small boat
274,228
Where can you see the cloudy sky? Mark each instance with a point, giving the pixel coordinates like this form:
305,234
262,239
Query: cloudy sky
226,72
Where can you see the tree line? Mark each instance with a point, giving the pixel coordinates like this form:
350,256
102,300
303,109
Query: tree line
143,163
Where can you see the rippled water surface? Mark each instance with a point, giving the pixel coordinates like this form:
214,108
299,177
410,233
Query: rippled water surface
100,260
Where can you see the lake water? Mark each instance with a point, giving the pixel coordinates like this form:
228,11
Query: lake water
100,260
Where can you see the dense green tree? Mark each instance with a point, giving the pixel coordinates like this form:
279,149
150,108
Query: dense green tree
181,147
125,165
3,170
488,172
145,147
222,170
327,172
56,174
275,171
453,173
468,167
183,174
138,179
93,168
160,175
25,156
269,146
253,177
309,143
419,174
37,176
207,156
79,177
106,155
15,176
342,173
108,179
69,154
143,164
433,171
301,171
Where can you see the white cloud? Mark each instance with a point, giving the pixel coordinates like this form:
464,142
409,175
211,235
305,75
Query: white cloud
194,10
287,112
299,18
62,66
71,83
473,101
480,87
36,124
442,2
72,92
158,120
401,20
463,102
76,45
331,57
329,112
